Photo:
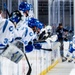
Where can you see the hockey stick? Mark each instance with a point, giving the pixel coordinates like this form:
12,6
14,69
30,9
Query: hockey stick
39,41
19,44
46,49
42,41
5,6
30,69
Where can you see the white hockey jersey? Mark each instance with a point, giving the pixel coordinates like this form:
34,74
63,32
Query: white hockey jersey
25,32
7,32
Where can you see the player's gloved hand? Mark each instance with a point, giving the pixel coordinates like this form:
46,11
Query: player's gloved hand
37,46
29,47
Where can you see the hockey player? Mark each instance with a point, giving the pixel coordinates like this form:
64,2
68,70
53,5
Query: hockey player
46,35
71,53
32,23
10,47
7,33
36,26
45,32
23,29
19,17
20,26
16,18
24,8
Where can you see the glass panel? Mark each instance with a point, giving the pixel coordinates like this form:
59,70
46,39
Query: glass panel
62,12
43,11
14,5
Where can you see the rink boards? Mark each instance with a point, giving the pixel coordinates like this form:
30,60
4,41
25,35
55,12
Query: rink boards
40,61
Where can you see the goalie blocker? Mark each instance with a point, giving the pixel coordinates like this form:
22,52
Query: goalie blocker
14,51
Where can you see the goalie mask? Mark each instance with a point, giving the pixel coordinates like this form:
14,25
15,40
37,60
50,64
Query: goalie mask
15,16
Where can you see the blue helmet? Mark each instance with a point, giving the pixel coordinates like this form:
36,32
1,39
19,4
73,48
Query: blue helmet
24,6
39,24
32,22
31,7
15,16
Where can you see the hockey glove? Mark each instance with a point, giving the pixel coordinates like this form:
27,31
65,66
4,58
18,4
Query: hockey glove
37,46
29,47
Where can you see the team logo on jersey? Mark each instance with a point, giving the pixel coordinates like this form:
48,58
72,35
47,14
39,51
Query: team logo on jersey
31,34
5,40
10,28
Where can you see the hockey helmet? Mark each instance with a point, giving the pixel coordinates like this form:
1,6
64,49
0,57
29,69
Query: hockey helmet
39,25
32,22
15,16
24,6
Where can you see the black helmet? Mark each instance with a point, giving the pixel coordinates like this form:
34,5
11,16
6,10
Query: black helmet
15,16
